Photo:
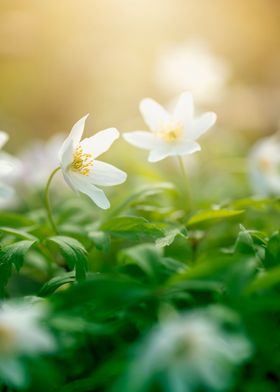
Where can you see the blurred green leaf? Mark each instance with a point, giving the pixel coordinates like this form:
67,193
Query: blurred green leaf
254,202
12,255
74,254
265,281
18,233
272,253
53,284
133,227
141,195
150,260
210,215
170,236
9,219
101,240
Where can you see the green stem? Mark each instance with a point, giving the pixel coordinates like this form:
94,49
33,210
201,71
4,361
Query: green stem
186,182
47,200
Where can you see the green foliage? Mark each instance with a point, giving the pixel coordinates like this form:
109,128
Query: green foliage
111,281
132,227
74,253
212,215
12,255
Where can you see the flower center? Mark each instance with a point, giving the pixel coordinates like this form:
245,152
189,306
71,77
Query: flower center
82,163
265,164
171,132
7,340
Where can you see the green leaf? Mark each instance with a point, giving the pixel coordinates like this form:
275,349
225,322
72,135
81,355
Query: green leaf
210,215
150,260
105,293
141,195
244,243
170,236
9,219
265,281
74,253
53,284
204,270
255,202
133,227
101,240
12,255
18,233
272,254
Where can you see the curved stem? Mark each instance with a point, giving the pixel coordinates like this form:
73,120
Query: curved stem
47,200
185,175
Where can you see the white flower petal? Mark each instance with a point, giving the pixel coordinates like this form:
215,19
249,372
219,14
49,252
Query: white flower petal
100,142
106,175
72,141
78,130
82,184
141,139
8,165
159,154
155,116
68,179
6,192
184,109
202,124
4,137
184,147
66,154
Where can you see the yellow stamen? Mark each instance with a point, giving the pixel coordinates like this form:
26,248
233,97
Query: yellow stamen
171,132
82,163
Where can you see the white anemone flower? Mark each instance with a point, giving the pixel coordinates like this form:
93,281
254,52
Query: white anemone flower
192,66
173,134
264,166
10,169
42,155
190,352
82,171
21,332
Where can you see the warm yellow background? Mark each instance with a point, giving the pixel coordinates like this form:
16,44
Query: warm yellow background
60,59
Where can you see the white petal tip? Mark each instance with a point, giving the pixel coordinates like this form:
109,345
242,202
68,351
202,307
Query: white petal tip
144,103
117,133
213,117
112,132
126,136
124,177
82,119
154,159
105,207
4,138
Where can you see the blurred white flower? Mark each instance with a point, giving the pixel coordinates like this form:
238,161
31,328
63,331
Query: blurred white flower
4,137
21,332
10,168
82,171
40,159
264,166
188,353
171,134
191,66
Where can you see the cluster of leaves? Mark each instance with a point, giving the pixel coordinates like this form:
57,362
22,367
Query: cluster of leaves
107,280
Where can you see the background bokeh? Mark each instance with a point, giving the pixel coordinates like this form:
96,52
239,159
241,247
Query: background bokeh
62,59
